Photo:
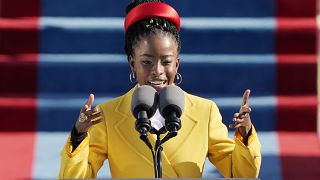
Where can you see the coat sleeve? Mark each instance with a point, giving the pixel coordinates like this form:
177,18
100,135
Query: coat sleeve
88,157
232,158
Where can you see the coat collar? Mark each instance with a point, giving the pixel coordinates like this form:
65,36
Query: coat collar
126,129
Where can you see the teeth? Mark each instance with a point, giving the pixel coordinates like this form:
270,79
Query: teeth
156,82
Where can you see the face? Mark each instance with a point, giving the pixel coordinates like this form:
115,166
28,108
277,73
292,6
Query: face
155,60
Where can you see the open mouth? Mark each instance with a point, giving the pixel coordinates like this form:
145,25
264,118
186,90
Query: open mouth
157,84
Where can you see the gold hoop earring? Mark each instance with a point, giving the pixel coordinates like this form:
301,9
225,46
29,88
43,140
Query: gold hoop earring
132,78
179,78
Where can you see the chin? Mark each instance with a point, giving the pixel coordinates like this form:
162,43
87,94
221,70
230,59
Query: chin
158,88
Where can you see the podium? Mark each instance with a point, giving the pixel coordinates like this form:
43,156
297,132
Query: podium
188,178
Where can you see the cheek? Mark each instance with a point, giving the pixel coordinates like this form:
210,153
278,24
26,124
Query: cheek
171,73
142,75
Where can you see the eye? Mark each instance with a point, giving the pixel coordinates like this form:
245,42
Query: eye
166,62
146,62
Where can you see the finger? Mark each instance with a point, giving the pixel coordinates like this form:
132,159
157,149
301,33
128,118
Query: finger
90,112
242,114
236,125
96,109
84,108
245,98
90,101
97,121
232,125
244,110
237,120
94,116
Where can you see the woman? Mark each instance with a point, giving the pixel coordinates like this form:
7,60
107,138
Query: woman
152,46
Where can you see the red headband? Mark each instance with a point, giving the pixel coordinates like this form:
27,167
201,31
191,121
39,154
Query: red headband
150,10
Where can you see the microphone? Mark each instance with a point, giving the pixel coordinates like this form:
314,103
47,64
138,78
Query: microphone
143,107
171,105
144,104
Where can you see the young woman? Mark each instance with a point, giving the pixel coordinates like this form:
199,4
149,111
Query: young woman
152,46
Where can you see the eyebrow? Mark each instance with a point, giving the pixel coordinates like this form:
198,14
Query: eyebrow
164,56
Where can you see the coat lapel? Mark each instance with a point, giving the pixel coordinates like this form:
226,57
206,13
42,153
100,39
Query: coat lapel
188,123
125,127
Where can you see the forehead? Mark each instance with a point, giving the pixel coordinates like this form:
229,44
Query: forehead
158,42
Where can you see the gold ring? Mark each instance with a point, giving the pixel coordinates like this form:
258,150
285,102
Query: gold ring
82,117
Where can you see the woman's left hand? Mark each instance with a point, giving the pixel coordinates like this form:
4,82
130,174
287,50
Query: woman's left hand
242,119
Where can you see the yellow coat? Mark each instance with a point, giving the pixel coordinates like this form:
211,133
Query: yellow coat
202,135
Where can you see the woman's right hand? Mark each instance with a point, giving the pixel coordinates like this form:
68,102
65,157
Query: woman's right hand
88,117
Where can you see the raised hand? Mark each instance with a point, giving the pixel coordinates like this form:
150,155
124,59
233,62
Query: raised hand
242,119
88,117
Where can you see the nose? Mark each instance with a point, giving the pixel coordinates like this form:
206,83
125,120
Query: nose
157,69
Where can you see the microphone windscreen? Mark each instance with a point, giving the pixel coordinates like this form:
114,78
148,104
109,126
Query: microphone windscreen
171,98
144,98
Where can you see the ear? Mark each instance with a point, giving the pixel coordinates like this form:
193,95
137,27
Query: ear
131,63
178,63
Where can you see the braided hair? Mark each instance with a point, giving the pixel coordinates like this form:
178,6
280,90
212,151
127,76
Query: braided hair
147,27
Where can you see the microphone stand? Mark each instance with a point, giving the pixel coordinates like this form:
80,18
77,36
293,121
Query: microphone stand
156,152
157,156
157,160
142,126
158,149
145,139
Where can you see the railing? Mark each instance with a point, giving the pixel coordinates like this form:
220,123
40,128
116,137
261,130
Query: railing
318,69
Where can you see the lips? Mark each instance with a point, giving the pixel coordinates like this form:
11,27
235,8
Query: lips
157,84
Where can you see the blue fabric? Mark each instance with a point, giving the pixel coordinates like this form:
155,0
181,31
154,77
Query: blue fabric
200,78
214,41
194,8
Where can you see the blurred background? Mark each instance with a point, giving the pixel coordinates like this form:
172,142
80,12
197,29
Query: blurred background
54,53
